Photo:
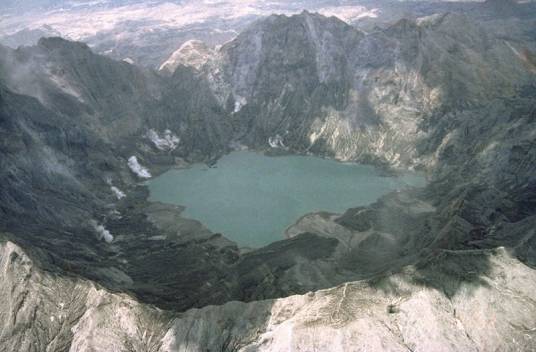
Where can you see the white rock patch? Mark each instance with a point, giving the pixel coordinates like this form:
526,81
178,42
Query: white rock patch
234,145
102,233
276,142
239,103
136,168
118,193
167,142
193,53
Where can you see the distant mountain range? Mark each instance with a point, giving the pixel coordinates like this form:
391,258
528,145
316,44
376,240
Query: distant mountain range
149,32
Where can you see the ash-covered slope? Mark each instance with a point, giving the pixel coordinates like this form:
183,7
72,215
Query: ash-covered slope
437,93
193,53
455,309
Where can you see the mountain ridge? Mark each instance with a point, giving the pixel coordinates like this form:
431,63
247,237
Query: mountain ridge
439,95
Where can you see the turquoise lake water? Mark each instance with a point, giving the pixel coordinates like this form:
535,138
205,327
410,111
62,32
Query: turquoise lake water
252,198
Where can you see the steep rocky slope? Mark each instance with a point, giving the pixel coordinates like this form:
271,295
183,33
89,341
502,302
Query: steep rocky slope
66,144
442,306
86,258
319,85
193,53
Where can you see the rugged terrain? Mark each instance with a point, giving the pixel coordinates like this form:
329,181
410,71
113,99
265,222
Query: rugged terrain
89,264
148,33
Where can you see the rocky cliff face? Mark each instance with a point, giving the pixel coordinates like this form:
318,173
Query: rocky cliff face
86,259
324,87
